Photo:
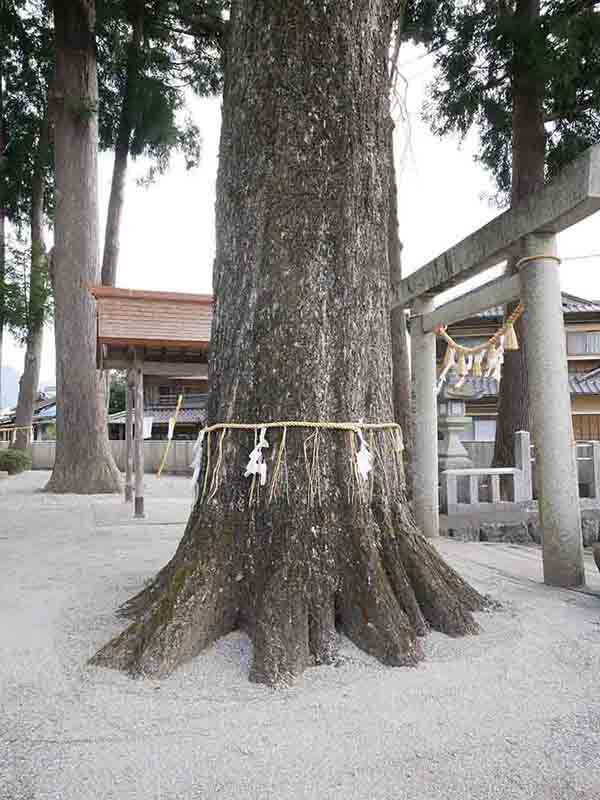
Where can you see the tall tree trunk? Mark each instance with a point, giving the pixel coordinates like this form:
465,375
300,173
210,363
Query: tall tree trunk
117,189
28,385
84,462
301,332
2,221
528,170
403,412
2,278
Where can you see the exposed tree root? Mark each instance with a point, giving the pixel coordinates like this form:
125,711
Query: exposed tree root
194,611
382,587
281,642
93,475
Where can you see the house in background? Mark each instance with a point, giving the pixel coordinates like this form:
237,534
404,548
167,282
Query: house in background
44,420
480,395
161,395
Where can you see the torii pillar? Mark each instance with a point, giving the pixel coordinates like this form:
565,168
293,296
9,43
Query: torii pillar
425,455
552,424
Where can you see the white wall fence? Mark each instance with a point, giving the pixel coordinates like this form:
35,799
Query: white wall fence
178,459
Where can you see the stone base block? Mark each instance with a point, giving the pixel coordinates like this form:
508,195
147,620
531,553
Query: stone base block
464,534
513,533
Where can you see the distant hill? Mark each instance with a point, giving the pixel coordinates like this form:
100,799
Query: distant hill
10,387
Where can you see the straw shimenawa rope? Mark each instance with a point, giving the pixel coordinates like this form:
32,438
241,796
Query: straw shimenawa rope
209,483
339,426
505,330
464,360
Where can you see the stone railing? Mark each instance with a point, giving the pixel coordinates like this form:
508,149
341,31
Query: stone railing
588,470
500,489
485,489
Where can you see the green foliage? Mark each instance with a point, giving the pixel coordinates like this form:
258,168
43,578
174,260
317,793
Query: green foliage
14,461
25,294
26,64
178,56
118,392
475,46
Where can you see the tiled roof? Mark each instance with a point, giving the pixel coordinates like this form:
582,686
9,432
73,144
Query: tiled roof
188,416
585,384
479,388
47,412
472,388
44,410
571,305
163,319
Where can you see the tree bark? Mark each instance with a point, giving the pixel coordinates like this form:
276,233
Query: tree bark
110,258
301,332
403,410
2,222
528,171
28,385
84,463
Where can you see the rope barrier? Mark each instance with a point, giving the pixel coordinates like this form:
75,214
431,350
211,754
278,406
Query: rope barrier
341,426
470,359
361,460
526,259
493,340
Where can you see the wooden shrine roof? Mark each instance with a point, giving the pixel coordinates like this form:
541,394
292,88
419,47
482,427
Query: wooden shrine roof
130,318
168,332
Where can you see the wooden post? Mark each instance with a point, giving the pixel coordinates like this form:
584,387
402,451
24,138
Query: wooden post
139,438
129,436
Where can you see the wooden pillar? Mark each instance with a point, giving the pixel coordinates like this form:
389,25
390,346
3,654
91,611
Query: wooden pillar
129,436
550,403
139,438
425,455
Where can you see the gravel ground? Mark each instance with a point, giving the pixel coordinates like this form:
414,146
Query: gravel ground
512,713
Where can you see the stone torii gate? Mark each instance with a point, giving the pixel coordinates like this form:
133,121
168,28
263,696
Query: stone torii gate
527,232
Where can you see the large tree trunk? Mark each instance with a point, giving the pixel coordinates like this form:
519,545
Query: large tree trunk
301,332
2,278
84,463
2,221
528,169
28,385
110,258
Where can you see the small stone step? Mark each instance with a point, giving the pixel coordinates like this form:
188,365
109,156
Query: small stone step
3,473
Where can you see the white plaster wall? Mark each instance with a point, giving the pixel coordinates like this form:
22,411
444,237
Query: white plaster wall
178,459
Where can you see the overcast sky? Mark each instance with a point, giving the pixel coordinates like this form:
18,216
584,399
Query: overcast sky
168,229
